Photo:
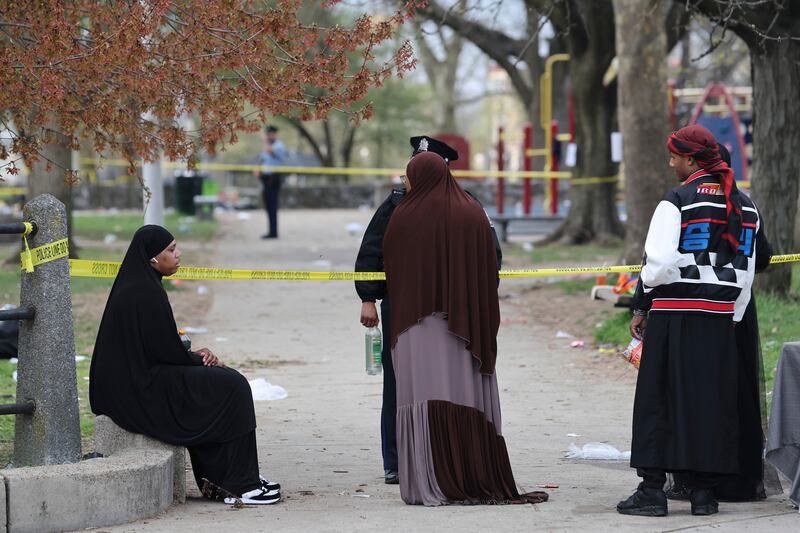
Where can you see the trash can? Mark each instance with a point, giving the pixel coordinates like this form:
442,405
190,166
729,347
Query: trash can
187,186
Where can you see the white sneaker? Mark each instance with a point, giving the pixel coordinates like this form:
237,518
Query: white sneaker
256,497
269,485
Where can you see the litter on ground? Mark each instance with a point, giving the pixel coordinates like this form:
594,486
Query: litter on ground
599,451
265,391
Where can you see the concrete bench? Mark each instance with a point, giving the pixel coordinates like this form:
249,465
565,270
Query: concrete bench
204,206
110,439
132,484
137,477
606,293
502,222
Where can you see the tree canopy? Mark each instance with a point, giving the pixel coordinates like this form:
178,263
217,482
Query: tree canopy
121,73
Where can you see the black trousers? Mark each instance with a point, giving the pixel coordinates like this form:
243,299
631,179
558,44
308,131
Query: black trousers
270,193
389,407
655,478
232,465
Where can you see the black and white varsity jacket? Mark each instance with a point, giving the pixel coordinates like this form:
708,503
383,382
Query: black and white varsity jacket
679,272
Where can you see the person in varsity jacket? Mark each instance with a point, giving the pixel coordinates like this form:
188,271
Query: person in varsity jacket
696,276
750,483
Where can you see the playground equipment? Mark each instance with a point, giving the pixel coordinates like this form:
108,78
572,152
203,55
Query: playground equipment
551,153
727,113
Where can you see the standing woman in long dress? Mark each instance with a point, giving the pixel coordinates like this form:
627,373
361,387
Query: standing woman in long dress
442,274
147,382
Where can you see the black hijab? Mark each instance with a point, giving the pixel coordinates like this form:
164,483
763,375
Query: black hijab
141,374
147,242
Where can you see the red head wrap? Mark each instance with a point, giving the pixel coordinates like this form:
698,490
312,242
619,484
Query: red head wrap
698,142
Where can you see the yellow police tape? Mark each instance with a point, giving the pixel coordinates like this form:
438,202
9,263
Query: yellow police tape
355,171
352,171
108,269
13,191
32,257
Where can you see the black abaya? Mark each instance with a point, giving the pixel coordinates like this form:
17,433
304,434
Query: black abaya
748,484
685,411
144,379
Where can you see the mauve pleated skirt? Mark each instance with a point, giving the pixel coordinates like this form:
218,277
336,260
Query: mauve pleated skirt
449,442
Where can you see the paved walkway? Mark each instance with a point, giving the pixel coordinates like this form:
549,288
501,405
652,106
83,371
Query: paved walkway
322,442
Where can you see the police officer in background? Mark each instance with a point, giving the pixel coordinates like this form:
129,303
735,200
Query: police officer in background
370,259
273,155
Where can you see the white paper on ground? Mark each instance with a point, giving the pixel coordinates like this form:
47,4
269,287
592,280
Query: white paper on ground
563,335
190,329
265,391
354,228
597,451
80,358
14,376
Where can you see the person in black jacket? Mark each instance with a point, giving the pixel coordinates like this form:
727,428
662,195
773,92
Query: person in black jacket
370,259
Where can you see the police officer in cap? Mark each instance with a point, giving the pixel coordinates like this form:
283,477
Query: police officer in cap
370,259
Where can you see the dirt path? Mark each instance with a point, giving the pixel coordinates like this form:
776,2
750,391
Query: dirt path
322,442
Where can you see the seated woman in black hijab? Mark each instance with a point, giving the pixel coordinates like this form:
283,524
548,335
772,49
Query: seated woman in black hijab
147,382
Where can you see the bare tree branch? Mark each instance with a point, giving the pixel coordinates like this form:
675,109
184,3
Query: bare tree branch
677,24
495,44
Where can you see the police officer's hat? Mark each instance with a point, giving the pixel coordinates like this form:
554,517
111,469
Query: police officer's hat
423,143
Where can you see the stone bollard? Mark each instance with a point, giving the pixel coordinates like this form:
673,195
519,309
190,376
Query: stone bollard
46,369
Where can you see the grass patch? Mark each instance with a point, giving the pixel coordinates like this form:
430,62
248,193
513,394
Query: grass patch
576,286
7,395
778,323
567,255
94,226
614,329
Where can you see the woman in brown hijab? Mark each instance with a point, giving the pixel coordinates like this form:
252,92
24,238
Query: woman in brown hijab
442,273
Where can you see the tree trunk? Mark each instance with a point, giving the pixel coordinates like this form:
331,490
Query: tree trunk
54,180
593,209
643,115
445,110
776,159
346,149
442,74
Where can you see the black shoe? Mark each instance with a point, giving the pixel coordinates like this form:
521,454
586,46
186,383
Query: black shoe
390,477
644,502
703,502
680,493
269,236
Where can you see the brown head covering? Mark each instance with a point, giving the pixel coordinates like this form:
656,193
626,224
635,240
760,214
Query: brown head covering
439,256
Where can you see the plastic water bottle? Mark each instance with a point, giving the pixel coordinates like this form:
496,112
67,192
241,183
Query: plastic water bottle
185,339
374,347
